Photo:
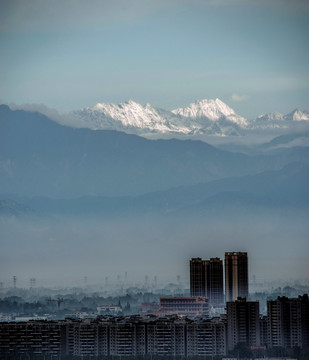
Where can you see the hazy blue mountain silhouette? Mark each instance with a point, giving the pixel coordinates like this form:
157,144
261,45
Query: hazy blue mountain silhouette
40,157
286,140
12,208
286,188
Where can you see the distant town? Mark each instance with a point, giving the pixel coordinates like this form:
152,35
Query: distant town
217,318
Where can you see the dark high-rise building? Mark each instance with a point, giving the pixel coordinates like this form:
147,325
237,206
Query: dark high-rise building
214,281
236,275
197,277
243,323
288,322
206,279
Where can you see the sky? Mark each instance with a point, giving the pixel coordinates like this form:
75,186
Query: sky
69,54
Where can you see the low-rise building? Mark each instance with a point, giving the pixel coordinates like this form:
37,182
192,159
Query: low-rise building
185,306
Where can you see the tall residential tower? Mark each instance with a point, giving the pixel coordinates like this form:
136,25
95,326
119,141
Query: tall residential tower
197,277
236,275
206,279
243,323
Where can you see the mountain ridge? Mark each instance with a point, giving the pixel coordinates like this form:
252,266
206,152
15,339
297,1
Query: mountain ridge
41,157
269,189
210,117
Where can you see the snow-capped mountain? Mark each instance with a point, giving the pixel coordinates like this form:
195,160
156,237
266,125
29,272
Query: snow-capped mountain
297,115
128,116
203,117
213,110
277,120
211,117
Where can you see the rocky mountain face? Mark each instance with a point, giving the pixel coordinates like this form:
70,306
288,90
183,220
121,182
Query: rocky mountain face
204,117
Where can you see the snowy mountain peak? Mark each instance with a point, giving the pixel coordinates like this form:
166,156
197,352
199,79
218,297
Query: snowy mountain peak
276,120
128,115
108,106
274,116
295,115
212,110
298,115
203,117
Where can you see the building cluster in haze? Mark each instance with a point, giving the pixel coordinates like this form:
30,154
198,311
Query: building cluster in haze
285,326
180,326
206,278
206,287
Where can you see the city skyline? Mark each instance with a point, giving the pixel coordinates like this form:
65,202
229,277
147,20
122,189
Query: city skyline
242,331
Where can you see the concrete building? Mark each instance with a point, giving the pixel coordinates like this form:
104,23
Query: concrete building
166,337
206,337
197,277
214,281
84,337
112,336
34,338
288,322
185,306
123,339
263,330
243,323
236,275
206,280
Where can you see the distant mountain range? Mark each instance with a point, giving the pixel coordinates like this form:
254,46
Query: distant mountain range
204,117
287,140
275,190
277,120
41,157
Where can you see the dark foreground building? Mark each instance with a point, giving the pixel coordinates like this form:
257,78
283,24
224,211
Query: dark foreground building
243,323
285,327
288,322
113,336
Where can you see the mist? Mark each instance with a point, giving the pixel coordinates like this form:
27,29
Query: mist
64,250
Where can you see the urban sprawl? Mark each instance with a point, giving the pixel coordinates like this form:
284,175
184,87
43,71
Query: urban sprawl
210,322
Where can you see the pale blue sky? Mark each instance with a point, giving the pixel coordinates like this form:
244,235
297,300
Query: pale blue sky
252,54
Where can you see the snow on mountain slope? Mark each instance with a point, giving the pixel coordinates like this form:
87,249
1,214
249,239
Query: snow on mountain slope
212,110
211,117
203,117
127,115
279,121
298,115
